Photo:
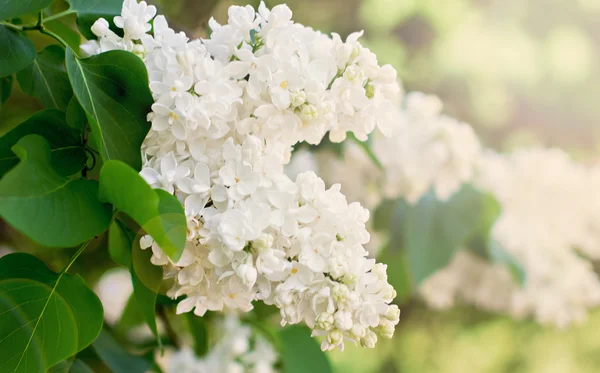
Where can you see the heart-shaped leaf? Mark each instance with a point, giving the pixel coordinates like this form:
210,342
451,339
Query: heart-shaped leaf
66,145
113,89
5,88
46,78
17,51
160,214
14,8
47,207
45,317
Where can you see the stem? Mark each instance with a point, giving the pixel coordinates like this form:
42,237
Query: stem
45,31
160,311
368,150
59,15
74,258
10,25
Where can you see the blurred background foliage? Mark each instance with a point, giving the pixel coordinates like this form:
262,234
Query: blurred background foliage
521,72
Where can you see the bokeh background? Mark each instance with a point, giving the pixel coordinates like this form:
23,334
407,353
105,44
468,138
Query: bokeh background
521,72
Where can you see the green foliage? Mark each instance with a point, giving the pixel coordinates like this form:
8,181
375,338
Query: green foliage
17,51
14,8
146,279
113,89
46,78
56,316
5,88
116,358
66,145
432,231
199,331
76,117
120,242
300,352
157,212
32,192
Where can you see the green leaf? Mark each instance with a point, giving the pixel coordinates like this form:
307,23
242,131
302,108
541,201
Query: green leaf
120,241
398,273
199,330
489,211
46,78
300,353
5,88
85,21
112,7
45,317
13,8
66,145
146,279
47,207
131,317
113,89
116,358
498,255
68,366
433,231
68,34
17,51
76,117
160,214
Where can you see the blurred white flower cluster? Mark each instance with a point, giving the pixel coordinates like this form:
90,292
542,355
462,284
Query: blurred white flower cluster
549,224
426,150
238,349
227,112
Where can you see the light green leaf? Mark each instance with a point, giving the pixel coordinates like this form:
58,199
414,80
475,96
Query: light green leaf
116,358
14,8
131,316
300,353
66,145
432,231
47,207
46,78
113,89
17,51
160,214
120,242
5,88
45,317
66,33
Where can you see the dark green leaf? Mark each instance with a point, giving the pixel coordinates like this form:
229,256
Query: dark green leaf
432,231
112,7
45,317
66,146
46,78
301,353
120,242
17,51
13,8
5,88
160,214
146,279
49,208
86,20
198,329
116,358
113,89
68,366
76,117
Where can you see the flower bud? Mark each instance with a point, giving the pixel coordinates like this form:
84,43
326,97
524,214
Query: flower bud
343,320
369,340
247,273
100,28
265,241
324,321
298,98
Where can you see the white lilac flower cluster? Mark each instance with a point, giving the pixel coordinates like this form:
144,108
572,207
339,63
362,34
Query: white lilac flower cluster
227,112
238,349
549,224
427,150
